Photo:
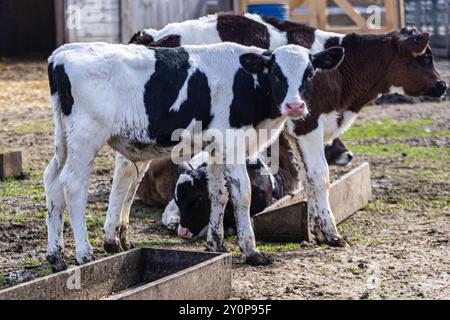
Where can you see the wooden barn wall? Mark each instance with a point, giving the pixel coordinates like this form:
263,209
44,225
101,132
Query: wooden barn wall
138,14
100,21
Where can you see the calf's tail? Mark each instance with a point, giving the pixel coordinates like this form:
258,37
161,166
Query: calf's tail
60,140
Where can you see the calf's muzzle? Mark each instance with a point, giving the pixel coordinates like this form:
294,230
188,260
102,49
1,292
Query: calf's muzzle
296,110
439,89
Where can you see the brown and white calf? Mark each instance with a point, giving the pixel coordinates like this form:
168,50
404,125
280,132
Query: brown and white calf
373,64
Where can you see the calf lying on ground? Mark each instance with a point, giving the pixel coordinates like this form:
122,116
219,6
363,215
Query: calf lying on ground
134,98
373,64
189,211
191,196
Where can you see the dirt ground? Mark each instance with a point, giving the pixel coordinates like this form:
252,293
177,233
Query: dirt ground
399,243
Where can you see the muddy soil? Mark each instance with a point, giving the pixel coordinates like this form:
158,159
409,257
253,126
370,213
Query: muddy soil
398,245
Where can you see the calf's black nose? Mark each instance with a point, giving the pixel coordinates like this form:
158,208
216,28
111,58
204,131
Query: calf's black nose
439,89
350,156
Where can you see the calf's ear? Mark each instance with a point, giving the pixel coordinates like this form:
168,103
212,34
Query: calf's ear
184,167
417,43
256,63
328,59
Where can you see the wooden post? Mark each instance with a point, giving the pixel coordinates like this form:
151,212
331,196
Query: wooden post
60,22
321,12
10,164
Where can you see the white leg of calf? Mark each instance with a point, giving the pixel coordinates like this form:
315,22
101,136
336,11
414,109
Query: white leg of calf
240,196
75,178
56,205
125,175
321,221
141,168
218,195
171,216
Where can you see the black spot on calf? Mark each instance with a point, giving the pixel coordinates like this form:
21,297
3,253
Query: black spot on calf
254,103
51,80
64,88
162,90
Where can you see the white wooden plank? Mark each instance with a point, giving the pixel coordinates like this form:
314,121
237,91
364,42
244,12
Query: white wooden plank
139,14
100,21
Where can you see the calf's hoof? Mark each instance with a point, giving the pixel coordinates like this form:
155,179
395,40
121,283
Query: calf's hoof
336,241
85,259
258,259
113,247
57,262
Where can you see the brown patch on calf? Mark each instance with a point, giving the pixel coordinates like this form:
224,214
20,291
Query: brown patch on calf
158,185
243,30
297,33
170,41
141,38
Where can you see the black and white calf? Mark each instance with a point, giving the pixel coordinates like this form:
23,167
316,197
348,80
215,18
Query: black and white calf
133,98
189,210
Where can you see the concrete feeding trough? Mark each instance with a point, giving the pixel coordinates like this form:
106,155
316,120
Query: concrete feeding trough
287,219
10,164
137,274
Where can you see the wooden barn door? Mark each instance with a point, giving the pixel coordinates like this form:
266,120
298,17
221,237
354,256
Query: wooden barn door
27,27
138,14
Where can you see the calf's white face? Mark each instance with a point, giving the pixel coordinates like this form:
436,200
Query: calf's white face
290,70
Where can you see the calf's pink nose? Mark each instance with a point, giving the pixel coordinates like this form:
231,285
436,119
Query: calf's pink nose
295,109
184,233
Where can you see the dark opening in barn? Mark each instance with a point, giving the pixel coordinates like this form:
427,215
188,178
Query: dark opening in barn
27,28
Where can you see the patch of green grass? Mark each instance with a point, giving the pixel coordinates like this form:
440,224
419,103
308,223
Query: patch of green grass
94,221
30,262
20,218
270,247
159,242
353,269
43,271
356,236
333,259
12,187
388,128
235,250
432,154
321,270
24,127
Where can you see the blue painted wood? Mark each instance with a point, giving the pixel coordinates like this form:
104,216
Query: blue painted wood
277,10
